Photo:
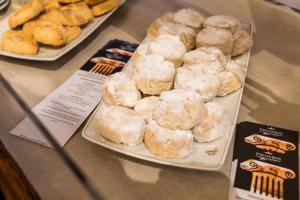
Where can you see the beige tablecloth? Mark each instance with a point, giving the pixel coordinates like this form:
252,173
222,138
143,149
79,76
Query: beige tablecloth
271,96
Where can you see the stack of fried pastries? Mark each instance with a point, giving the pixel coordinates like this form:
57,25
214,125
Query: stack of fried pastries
54,23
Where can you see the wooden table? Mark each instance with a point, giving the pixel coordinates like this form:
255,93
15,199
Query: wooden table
271,96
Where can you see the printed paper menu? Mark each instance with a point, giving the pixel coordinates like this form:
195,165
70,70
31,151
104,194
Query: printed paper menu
65,109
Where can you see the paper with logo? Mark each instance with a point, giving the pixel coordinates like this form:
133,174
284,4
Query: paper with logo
265,163
66,108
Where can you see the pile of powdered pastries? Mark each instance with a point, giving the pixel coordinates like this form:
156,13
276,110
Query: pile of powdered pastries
183,64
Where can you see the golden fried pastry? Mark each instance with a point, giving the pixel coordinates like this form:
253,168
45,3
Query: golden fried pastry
77,14
50,4
68,1
50,33
19,42
55,15
25,13
28,27
94,2
105,7
242,42
72,32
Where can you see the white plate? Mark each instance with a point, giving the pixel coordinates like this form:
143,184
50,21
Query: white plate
199,158
51,54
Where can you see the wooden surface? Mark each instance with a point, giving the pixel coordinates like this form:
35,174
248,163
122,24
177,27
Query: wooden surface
13,183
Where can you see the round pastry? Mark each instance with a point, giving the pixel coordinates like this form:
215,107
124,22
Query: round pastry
206,85
105,7
19,42
189,17
187,35
242,42
228,23
168,143
119,90
50,33
153,75
146,106
232,79
215,124
155,26
212,37
121,125
206,55
25,13
179,109
72,32
94,2
168,46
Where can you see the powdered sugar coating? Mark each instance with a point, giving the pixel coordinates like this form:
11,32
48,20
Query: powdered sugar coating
213,37
168,143
165,19
179,109
214,125
146,106
222,21
230,83
187,35
121,125
206,55
119,90
237,69
168,46
153,75
189,17
207,85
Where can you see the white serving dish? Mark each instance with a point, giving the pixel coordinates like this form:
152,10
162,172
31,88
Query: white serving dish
209,156
51,54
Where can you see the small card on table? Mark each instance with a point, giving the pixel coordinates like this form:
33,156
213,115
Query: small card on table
265,163
66,108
